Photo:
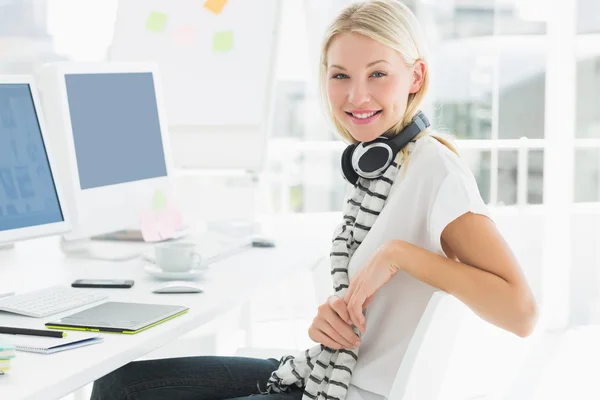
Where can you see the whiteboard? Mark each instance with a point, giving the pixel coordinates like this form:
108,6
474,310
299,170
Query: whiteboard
216,57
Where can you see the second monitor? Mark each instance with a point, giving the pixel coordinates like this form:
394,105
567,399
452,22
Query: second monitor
111,125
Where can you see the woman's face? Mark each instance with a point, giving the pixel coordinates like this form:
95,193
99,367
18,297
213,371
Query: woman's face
368,84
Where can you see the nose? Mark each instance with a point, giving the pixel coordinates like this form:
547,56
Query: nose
358,94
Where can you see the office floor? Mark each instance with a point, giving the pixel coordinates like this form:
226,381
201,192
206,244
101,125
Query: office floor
487,363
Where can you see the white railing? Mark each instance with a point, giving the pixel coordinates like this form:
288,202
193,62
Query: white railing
285,151
288,149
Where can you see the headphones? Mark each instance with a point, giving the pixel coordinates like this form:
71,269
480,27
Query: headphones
370,160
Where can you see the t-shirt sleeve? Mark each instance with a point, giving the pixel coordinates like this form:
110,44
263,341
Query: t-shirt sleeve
458,194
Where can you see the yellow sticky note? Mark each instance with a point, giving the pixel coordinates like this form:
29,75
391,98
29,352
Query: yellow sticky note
156,21
223,41
159,201
215,6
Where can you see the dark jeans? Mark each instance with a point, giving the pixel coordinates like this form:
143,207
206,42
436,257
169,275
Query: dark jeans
193,378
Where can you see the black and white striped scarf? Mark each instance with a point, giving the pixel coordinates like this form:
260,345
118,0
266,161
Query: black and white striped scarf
324,372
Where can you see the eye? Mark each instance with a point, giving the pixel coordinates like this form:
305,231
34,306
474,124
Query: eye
378,74
339,76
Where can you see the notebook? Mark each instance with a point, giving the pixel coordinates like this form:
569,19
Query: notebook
49,345
7,350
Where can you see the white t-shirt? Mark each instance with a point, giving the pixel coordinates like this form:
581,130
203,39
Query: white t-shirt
436,188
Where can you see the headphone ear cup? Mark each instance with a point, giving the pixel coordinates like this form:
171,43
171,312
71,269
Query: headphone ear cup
347,170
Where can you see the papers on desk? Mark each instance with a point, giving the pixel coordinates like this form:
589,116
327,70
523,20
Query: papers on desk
7,351
49,345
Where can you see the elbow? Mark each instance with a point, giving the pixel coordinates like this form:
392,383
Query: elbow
527,317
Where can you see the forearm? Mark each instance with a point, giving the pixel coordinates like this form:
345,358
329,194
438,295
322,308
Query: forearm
489,296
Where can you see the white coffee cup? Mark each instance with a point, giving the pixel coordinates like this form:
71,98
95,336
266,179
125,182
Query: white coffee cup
176,256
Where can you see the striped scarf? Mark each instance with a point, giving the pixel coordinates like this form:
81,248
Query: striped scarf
324,372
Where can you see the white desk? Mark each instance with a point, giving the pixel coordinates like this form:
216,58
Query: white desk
301,241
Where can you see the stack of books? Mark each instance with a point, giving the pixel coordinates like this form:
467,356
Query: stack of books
7,351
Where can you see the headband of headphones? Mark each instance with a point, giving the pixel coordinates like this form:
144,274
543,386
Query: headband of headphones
397,143
370,159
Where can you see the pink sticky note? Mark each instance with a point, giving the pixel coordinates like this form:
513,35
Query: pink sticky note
166,226
149,228
174,215
184,34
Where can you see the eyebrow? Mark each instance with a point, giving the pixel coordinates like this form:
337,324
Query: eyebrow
368,65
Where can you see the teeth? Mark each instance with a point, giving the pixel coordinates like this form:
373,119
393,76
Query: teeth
364,116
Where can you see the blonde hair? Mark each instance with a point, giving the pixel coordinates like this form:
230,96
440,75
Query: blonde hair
391,23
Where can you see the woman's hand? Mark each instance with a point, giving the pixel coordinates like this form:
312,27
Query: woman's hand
332,326
377,271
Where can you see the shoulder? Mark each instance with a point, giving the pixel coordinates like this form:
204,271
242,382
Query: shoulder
432,162
453,190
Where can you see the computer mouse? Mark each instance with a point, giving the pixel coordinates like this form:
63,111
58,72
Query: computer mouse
178,287
260,241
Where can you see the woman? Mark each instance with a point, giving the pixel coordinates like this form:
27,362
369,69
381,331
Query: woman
434,233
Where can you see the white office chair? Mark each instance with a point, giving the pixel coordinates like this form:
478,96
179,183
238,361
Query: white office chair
421,373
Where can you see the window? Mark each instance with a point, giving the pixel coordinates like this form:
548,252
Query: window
489,88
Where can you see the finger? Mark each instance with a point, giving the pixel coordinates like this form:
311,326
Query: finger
320,337
340,307
368,301
352,287
330,331
341,327
355,308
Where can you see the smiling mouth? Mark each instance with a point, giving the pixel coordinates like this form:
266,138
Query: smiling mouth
363,115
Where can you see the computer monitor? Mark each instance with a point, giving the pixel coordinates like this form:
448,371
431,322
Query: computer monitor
31,193
111,122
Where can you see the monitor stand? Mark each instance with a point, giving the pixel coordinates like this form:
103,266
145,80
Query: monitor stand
97,250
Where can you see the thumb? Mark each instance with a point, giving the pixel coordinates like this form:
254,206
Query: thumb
339,306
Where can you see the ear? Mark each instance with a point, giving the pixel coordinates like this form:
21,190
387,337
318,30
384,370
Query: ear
419,69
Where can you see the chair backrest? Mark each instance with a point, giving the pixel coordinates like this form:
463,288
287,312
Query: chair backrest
421,372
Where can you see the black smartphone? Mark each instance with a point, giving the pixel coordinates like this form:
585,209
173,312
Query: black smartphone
103,283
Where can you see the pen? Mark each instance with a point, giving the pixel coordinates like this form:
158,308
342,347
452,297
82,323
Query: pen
31,332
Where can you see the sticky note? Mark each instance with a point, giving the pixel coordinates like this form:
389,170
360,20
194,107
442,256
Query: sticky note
223,41
156,21
174,215
166,228
215,6
159,201
149,228
157,226
184,34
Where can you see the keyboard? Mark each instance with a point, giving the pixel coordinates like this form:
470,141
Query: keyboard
48,301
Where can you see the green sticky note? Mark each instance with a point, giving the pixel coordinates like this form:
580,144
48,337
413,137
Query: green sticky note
159,202
156,21
223,41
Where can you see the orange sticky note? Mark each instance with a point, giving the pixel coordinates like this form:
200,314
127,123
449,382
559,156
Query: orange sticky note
215,6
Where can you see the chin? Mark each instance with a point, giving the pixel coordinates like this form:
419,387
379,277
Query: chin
364,133
364,136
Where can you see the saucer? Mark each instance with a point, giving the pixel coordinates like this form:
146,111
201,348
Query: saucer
157,272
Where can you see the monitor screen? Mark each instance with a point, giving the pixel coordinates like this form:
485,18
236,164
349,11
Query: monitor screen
27,191
116,129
